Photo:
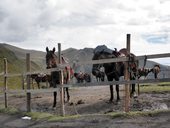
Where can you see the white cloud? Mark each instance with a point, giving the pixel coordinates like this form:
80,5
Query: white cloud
35,24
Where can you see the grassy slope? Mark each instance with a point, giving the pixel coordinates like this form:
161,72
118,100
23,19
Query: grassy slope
15,65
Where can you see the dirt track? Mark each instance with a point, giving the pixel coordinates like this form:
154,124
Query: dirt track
161,120
92,100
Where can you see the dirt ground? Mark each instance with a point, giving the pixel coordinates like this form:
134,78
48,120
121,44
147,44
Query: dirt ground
91,100
161,120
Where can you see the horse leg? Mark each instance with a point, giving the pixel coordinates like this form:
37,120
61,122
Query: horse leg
68,96
133,92
111,93
64,93
117,91
38,83
55,99
155,75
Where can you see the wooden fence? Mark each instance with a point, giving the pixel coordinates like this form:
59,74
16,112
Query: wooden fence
28,91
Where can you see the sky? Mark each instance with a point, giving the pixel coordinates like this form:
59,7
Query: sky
35,24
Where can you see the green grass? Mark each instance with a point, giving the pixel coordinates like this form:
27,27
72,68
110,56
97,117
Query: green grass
52,117
39,115
161,87
9,110
136,113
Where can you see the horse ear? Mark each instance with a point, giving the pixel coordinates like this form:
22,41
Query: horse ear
47,50
53,49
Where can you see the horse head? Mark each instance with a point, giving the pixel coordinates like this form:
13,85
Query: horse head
156,70
51,58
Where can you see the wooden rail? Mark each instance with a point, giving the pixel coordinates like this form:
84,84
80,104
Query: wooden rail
60,67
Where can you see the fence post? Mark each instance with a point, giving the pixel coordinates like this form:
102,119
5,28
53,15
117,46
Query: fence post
61,79
28,69
5,82
127,94
22,81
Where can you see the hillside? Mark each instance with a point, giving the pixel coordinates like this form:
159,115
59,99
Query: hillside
17,55
36,56
15,65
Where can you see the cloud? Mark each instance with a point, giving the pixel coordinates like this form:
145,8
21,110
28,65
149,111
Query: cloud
162,39
35,24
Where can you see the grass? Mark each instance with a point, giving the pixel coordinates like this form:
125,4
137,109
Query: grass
161,87
9,110
136,113
52,117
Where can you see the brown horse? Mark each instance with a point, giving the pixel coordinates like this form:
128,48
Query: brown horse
51,62
115,70
81,77
155,70
143,72
38,77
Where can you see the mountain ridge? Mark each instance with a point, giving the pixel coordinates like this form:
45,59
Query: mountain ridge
85,54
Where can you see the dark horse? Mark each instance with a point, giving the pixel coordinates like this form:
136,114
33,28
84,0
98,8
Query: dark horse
81,77
51,62
38,77
115,70
99,73
145,71
155,70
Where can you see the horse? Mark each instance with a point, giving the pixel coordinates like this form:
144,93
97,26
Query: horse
115,70
38,77
155,70
51,62
81,77
143,72
99,73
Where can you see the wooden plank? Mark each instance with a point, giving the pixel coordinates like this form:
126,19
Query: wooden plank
61,66
154,56
13,75
61,85
106,83
127,78
32,91
28,68
5,82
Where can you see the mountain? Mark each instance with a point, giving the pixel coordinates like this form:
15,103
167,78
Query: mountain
38,58
15,64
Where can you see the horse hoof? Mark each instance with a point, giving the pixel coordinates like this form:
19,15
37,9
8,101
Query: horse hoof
110,101
135,95
117,100
54,106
